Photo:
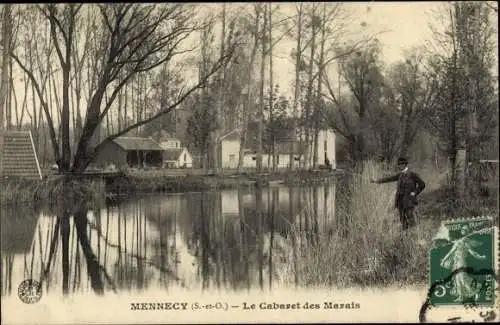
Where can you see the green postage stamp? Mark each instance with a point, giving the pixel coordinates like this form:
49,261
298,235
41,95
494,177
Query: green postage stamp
463,262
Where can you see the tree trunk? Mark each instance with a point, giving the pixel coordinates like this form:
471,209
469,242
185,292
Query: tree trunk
453,137
270,28
261,97
319,106
220,99
66,150
246,100
4,82
309,100
92,122
296,88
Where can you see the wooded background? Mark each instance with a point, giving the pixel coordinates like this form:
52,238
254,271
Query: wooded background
77,75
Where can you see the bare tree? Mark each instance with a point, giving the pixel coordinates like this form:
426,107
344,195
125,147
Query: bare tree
130,39
415,92
297,53
363,77
260,115
253,30
4,82
314,24
466,58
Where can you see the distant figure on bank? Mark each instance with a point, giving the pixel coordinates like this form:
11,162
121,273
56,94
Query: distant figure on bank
409,186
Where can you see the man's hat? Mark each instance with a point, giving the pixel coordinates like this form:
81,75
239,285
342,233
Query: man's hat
402,161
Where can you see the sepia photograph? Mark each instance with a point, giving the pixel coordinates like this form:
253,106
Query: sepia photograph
234,162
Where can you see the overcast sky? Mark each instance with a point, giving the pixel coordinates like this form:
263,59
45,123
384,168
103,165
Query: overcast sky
399,26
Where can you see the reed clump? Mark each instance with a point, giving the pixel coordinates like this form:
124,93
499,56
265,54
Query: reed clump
20,191
365,245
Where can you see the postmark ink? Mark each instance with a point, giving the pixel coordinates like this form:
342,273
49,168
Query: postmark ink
29,291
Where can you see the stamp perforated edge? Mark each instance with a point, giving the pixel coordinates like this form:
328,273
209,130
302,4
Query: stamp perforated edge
496,263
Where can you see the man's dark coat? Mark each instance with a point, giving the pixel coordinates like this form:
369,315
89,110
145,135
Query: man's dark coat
407,182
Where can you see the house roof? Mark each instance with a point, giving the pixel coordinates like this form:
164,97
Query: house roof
172,154
231,135
165,145
165,139
18,157
284,143
284,140
134,143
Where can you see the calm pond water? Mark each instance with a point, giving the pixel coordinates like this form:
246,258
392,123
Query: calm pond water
232,239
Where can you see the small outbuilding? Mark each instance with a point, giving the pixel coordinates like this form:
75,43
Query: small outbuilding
177,158
130,152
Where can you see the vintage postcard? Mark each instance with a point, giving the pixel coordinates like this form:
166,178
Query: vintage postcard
264,162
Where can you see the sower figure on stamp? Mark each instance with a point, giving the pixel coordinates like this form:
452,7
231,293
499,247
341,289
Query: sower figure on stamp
409,186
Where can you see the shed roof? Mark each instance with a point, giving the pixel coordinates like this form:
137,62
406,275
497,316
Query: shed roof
135,143
172,154
18,156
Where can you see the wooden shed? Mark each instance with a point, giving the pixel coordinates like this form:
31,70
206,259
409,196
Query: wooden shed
177,158
130,152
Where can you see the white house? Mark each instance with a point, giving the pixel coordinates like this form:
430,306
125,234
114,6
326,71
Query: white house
229,151
325,150
282,156
174,155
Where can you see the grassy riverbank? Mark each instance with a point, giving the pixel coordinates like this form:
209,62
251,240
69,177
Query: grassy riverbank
18,191
52,189
366,237
152,181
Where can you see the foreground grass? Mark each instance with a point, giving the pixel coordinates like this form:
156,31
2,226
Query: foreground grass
19,191
366,245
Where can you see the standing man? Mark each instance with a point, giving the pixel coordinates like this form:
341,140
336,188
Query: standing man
409,186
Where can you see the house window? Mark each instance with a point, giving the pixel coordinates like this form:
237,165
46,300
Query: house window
177,144
185,157
277,159
232,157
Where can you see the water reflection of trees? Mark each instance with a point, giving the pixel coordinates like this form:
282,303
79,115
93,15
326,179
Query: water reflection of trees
227,240
243,249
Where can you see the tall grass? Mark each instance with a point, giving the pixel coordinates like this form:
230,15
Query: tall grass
366,245
19,191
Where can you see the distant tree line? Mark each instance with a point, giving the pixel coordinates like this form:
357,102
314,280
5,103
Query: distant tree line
85,74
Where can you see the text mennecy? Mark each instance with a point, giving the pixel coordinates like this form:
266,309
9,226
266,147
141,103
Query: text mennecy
158,305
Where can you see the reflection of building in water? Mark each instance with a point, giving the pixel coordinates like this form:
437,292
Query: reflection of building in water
17,230
286,206
225,239
229,203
